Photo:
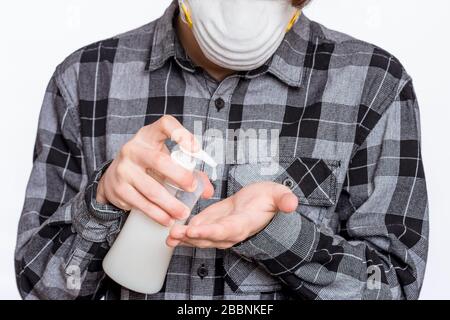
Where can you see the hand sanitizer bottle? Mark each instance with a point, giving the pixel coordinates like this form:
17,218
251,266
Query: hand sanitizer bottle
139,258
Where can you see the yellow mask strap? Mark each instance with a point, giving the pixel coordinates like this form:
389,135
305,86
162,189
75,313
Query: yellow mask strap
187,15
293,20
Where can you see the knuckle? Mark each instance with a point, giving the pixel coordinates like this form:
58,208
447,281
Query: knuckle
123,205
175,210
170,210
112,193
162,219
195,221
126,150
155,194
121,170
166,120
159,159
141,131
118,201
186,179
122,193
200,234
280,189
148,208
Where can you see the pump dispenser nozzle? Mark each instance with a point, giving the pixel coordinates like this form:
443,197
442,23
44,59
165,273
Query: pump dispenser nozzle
188,160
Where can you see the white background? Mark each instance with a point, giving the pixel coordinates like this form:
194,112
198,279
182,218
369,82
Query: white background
37,35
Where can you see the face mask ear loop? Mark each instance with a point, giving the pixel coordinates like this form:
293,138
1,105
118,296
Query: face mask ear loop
293,20
186,15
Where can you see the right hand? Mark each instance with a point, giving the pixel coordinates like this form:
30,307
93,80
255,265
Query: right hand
134,178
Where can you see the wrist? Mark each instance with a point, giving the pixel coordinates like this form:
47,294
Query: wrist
103,211
100,196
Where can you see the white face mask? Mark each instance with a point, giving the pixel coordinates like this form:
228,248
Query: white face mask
239,35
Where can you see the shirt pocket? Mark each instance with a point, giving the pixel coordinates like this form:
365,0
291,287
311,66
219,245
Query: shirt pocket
313,181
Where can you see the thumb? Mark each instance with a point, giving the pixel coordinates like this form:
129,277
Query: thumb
284,199
208,191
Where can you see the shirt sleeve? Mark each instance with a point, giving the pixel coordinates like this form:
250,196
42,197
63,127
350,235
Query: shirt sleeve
381,249
63,232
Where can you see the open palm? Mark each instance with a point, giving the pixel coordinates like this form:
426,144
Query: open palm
236,218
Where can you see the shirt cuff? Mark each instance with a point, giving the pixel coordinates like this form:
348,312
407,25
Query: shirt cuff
286,236
106,212
92,220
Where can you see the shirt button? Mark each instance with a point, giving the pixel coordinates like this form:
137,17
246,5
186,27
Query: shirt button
288,182
202,271
220,104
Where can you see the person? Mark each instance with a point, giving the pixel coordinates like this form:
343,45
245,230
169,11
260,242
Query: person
344,215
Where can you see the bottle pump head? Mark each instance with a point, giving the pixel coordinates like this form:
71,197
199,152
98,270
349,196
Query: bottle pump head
188,160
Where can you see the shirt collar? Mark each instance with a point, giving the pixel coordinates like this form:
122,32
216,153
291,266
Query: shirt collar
166,44
286,64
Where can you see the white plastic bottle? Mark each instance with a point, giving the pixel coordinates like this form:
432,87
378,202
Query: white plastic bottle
139,258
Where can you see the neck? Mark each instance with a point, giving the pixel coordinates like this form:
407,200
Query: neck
195,53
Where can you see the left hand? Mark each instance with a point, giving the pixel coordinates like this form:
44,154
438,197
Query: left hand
235,219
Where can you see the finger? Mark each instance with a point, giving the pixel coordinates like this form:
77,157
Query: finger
178,231
202,244
212,232
168,127
171,242
212,213
119,203
161,165
136,200
185,244
208,191
155,174
157,194
228,229
284,199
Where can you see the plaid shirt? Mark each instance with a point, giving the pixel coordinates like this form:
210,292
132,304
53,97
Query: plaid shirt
349,136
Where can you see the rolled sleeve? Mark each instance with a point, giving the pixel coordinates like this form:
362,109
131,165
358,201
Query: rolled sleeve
95,221
380,251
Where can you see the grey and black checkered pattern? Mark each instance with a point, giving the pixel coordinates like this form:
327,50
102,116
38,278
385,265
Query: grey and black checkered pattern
349,148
